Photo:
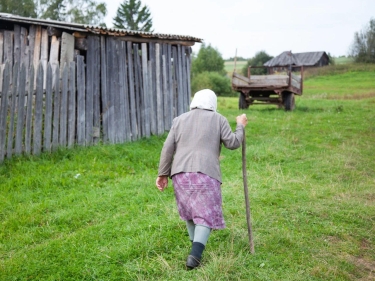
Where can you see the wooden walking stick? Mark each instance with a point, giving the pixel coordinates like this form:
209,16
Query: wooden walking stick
244,175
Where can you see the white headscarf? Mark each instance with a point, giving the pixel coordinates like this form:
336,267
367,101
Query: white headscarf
204,99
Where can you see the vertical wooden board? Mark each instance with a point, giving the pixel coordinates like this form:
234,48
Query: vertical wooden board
44,54
152,89
72,104
110,91
13,107
96,124
104,94
90,61
56,109
1,47
176,80
38,116
133,117
167,104
4,110
116,93
24,48
138,89
146,94
29,111
183,77
81,123
124,103
188,73
67,49
64,106
20,110
159,97
181,93
124,81
37,43
54,55
8,48
17,44
47,132
170,83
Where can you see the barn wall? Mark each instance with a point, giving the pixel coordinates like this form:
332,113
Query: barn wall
108,90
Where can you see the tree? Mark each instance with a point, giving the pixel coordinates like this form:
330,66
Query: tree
77,11
23,8
363,47
132,15
218,83
258,60
208,59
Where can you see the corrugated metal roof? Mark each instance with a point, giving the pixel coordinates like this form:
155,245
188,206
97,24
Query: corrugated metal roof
288,58
96,29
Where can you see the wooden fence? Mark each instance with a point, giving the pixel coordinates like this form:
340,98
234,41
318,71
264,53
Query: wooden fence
120,91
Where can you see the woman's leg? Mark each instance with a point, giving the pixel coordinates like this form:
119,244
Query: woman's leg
201,235
191,229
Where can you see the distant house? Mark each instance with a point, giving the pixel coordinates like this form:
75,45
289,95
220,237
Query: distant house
287,59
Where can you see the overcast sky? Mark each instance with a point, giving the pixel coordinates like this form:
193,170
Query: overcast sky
250,26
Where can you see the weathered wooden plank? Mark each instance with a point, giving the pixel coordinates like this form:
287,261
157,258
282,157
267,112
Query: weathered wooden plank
48,114
4,110
159,96
176,65
171,96
138,89
145,110
81,123
29,111
38,116
104,94
54,55
135,39
133,117
72,104
183,77
56,109
12,107
20,110
123,93
44,54
17,43
37,44
31,37
167,104
67,49
64,106
8,47
118,111
110,91
96,97
1,47
90,61
124,81
25,57
187,69
152,89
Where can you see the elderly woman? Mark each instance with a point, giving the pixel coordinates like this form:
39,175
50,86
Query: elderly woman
190,156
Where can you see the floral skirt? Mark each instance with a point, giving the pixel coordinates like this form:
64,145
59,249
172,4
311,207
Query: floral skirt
198,198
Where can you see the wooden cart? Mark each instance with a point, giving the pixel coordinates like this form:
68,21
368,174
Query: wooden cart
278,89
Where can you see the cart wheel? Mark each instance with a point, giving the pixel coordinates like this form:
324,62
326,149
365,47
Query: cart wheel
242,104
288,101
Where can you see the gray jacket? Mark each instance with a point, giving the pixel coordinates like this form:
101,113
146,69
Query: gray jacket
194,143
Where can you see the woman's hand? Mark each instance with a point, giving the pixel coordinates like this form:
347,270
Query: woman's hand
162,182
242,119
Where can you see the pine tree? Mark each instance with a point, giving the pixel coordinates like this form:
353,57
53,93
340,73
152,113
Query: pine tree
132,15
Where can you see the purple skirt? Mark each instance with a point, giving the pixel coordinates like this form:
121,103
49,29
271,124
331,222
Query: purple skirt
198,198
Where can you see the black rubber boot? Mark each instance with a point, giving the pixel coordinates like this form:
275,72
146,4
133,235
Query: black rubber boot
194,259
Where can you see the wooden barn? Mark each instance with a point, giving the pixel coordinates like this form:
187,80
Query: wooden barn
286,59
65,84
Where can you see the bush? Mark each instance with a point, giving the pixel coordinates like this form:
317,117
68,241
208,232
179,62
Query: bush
218,83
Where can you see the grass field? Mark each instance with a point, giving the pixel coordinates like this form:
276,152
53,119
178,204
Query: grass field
95,214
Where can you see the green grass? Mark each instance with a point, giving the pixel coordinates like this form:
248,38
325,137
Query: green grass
95,214
230,65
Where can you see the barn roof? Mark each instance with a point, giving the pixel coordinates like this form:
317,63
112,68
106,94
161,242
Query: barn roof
287,58
96,29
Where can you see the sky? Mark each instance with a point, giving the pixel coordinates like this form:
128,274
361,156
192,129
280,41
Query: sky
245,27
